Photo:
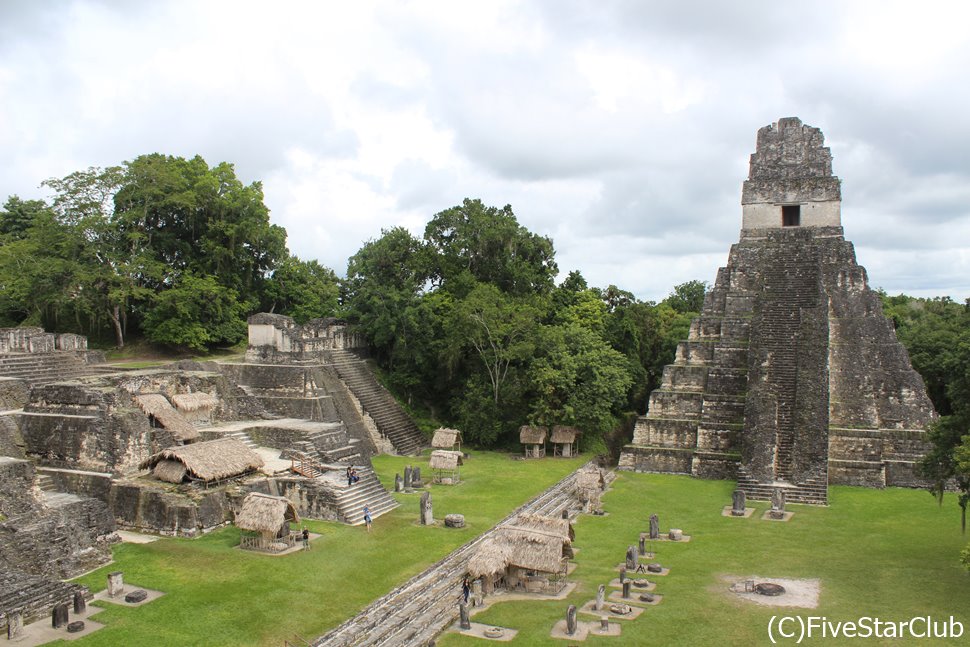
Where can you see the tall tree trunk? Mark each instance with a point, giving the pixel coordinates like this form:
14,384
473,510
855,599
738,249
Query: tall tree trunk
116,320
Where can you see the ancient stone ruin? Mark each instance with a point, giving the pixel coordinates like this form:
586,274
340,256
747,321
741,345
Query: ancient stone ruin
178,450
791,377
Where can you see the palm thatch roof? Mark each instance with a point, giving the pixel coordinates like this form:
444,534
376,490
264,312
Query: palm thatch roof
212,460
562,434
194,401
169,471
589,479
554,525
537,548
532,435
158,406
445,438
265,513
442,459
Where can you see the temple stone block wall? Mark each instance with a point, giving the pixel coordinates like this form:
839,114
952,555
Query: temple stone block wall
791,376
277,339
59,542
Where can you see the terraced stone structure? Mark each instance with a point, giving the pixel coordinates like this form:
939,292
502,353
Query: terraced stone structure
791,377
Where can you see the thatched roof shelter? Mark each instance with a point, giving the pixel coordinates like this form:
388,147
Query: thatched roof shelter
157,406
212,460
265,514
169,471
442,459
532,435
555,525
532,543
563,434
446,438
194,401
589,479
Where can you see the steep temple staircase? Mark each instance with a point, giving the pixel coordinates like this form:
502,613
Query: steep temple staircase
390,418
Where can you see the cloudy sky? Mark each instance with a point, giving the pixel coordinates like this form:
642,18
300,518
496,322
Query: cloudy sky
621,129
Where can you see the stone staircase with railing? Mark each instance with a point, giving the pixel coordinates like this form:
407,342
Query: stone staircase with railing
391,420
367,491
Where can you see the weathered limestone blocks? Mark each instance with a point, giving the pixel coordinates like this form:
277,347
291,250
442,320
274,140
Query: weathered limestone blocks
148,507
59,541
311,498
16,486
278,339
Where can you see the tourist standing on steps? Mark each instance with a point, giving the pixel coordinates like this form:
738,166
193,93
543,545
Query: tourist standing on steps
465,589
306,539
367,519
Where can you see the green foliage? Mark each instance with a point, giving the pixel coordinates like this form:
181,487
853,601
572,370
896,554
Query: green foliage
687,297
936,332
303,290
196,314
114,241
578,380
965,557
489,244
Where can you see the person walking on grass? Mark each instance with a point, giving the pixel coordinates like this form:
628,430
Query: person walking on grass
306,539
367,519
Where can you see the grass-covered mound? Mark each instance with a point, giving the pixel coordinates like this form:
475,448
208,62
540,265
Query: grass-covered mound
216,594
890,554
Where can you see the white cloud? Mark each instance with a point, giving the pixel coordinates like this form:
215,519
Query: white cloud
621,129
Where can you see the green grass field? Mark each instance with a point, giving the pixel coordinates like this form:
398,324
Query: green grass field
216,594
886,554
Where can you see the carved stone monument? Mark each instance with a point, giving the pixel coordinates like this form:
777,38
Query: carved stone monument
116,584
675,534
777,504
407,478
600,597
791,296
654,527
571,620
643,545
477,597
79,603
416,477
398,483
622,574
604,625
631,558
626,588
737,503
59,615
427,517
465,622
455,520
15,626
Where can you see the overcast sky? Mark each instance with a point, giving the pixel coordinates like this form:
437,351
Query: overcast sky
621,129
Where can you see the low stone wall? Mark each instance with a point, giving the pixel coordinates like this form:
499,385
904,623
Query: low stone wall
96,485
312,499
149,508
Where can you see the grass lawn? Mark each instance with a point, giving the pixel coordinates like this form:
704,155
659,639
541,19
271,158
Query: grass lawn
890,554
216,594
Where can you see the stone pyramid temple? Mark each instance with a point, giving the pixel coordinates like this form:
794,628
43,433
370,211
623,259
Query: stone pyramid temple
791,377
